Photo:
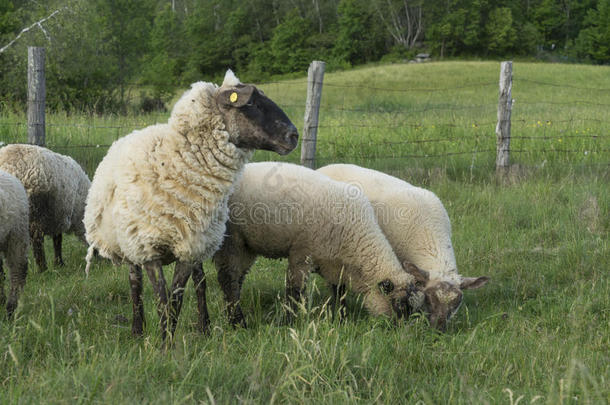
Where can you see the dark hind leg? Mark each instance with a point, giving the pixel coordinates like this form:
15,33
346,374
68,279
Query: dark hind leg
38,249
182,273
17,261
57,239
135,282
154,269
202,306
2,295
338,304
231,270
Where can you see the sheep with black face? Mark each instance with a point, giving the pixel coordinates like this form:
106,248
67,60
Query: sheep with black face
160,194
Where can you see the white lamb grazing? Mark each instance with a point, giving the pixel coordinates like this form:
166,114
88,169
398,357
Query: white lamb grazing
284,210
57,189
14,238
160,194
417,226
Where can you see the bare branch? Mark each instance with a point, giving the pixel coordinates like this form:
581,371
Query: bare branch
36,24
403,21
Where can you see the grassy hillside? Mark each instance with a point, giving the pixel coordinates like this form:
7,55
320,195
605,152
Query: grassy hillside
433,115
538,333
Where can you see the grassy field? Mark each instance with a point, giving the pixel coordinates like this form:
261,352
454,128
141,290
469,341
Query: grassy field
538,333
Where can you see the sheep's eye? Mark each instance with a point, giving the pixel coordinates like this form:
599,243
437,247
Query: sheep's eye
386,286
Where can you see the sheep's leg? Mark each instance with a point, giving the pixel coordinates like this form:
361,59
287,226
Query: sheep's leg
135,282
202,305
182,273
2,295
231,270
57,239
339,300
299,268
38,249
154,269
18,268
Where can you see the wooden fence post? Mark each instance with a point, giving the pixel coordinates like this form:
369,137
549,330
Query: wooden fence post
36,96
505,103
315,78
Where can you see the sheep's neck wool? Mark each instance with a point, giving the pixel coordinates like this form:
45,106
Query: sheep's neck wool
161,193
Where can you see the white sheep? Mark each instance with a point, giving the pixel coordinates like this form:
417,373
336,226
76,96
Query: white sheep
57,188
417,226
14,237
283,210
160,194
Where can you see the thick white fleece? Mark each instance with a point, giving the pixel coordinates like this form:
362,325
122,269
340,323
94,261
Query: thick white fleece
285,210
162,191
14,233
56,186
14,214
413,219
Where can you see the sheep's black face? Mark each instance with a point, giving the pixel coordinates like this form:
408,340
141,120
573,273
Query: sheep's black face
254,121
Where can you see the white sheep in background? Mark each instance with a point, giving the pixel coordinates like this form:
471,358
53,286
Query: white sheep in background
160,194
283,210
57,188
14,237
417,226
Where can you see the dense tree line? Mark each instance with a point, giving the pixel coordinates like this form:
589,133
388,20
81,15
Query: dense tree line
99,49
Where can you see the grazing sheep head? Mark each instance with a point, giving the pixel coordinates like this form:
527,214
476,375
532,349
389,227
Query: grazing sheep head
252,119
441,298
396,295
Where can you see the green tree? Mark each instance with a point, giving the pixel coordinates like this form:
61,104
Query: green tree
165,65
288,46
549,22
500,31
209,50
9,22
593,42
125,26
358,38
456,28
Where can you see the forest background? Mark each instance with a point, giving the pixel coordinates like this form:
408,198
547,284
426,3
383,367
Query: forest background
100,51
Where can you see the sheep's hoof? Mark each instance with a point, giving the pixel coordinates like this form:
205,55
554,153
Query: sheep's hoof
137,331
204,330
237,319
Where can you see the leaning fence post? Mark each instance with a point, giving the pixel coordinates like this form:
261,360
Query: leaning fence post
315,77
505,103
36,96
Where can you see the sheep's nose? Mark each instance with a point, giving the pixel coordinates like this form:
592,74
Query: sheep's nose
292,136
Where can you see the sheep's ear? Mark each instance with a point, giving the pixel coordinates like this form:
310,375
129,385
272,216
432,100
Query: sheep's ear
472,283
237,96
386,286
421,276
230,79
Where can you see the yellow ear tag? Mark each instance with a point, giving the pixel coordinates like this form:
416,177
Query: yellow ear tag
233,97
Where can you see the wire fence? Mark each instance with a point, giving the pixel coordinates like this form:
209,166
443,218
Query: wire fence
389,127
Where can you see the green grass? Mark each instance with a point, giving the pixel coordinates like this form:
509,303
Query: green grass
538,333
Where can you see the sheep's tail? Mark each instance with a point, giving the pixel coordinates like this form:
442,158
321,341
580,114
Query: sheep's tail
88,258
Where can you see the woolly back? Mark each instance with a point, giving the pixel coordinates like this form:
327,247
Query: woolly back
413,219
331,213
